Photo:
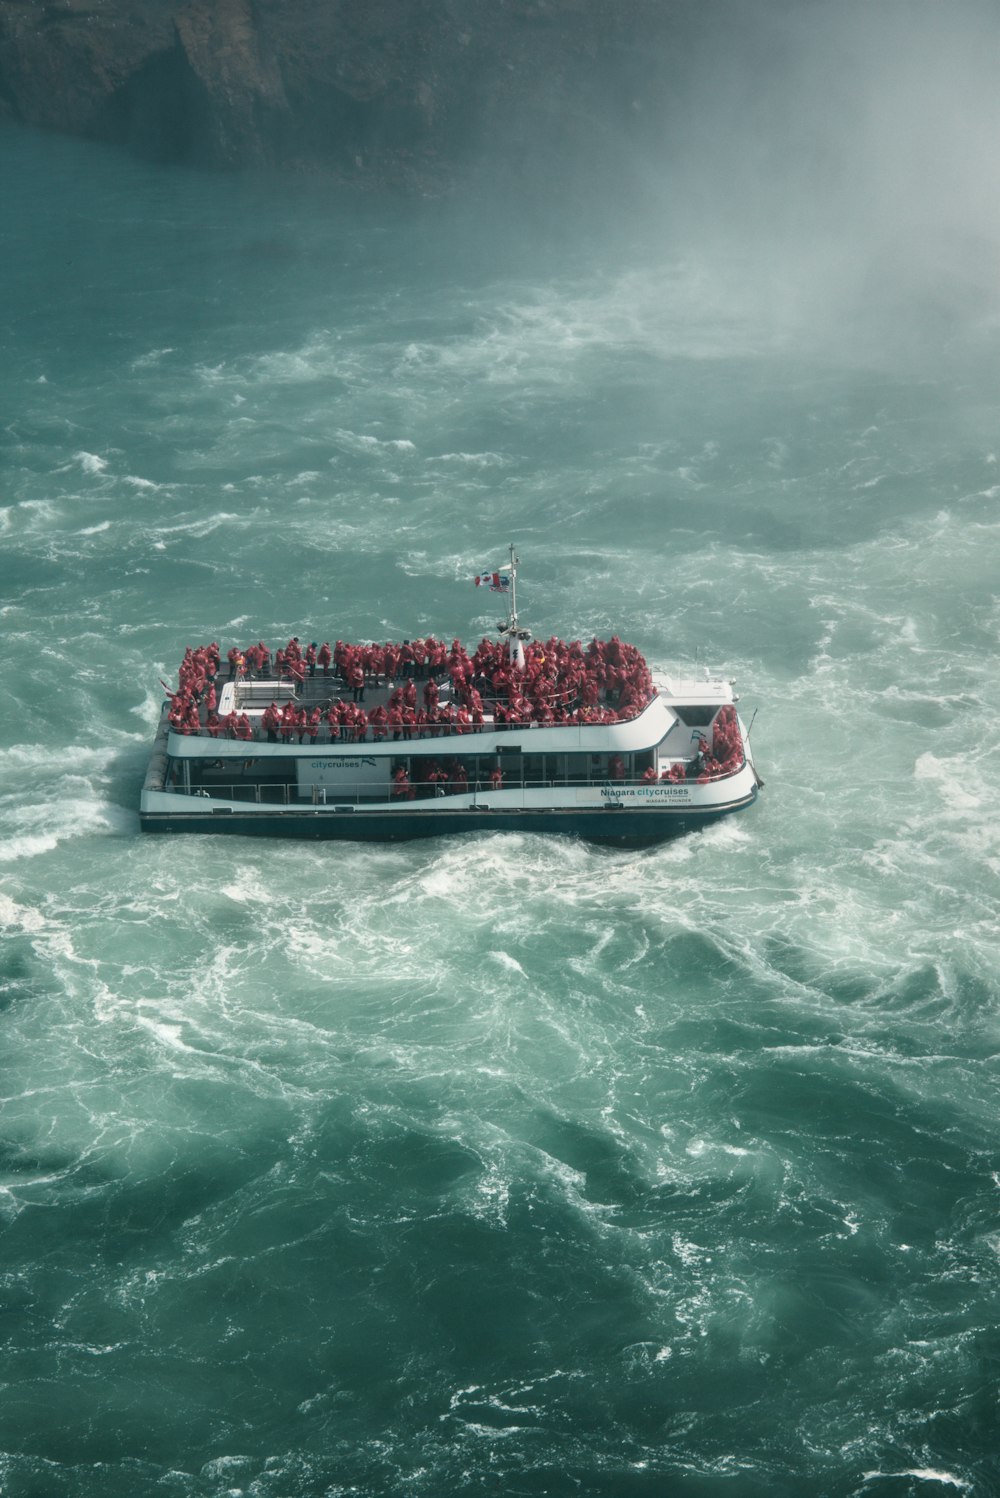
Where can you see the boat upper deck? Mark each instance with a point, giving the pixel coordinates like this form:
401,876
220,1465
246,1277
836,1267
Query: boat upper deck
424,683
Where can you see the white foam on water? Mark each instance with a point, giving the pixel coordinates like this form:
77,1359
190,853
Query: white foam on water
153,358
72,757
149,707
291,368
22,916
12,849
490,1200
66,819
168,1035
365,443
545,333
91,462
475,460
951,776
215,374
505,960
44,511
199,528
924,1474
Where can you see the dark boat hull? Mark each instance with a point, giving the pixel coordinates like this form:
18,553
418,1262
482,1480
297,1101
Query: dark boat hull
612,826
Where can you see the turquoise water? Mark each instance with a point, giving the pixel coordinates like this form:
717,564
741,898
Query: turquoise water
501,1164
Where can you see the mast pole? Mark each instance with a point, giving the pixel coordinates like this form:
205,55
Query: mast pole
512,641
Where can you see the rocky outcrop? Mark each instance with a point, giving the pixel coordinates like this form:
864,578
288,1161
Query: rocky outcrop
400,91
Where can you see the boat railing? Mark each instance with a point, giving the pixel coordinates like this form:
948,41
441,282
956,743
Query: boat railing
376,734
255,688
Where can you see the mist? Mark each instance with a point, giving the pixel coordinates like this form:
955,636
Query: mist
825,172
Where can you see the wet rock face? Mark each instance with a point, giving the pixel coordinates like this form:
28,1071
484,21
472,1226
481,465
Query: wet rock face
393,91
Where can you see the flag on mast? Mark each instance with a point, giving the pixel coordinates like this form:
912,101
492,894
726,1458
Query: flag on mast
497,582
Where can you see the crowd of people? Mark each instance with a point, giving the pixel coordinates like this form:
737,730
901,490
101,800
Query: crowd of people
433,690
434,779
606,681
723,755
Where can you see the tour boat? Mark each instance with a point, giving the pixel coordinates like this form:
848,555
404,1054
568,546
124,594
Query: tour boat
419,739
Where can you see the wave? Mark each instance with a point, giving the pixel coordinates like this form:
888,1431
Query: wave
500,1154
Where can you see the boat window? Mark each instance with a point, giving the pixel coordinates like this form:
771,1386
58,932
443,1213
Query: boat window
561,768
696,714
536,768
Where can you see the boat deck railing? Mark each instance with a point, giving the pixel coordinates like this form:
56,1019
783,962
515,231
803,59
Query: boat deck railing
373,733
250,695
321,691
284,793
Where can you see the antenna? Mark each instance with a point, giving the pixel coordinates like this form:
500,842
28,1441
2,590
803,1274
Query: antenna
515,636
512,618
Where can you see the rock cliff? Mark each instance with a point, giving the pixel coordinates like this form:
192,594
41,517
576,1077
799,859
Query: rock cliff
408,92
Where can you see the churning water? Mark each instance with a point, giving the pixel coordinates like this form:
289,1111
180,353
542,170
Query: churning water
501,1164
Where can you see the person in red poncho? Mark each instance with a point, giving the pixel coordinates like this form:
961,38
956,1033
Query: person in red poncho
458,779
270,722
402,790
